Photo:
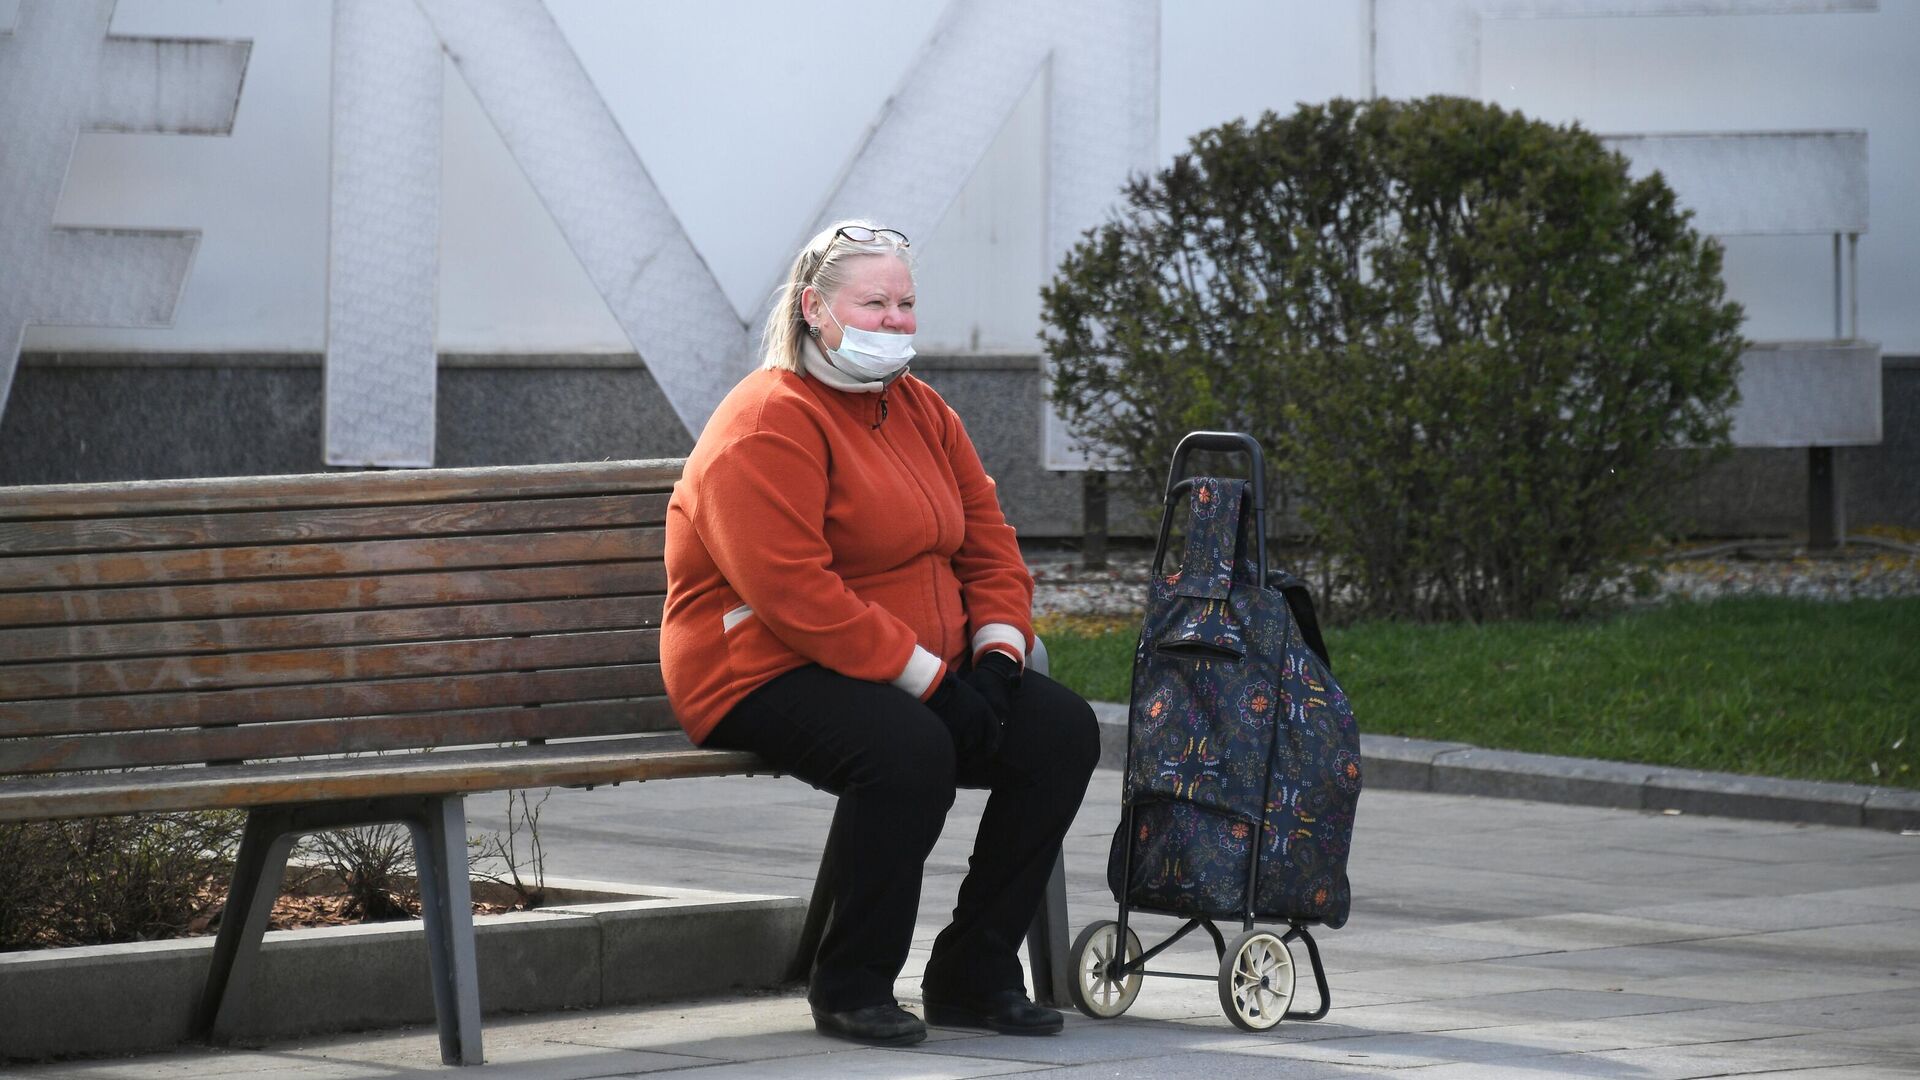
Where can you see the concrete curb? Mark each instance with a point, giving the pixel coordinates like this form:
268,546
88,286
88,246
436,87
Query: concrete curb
1399,764
614,945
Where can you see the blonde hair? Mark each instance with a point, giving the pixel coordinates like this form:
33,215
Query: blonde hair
823,263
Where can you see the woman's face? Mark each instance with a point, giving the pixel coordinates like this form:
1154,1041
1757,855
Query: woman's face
878,296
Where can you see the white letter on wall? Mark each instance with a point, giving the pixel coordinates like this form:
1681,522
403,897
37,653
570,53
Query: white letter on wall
383,239
61,75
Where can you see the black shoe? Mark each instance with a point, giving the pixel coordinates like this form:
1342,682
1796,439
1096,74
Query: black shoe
875,1025
1007,1012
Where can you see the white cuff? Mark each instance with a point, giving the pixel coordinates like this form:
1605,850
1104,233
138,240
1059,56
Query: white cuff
922,668
1000,633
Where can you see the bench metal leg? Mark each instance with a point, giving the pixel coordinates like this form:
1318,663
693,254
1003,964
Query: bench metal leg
819,908
258,870
1047,945
438,826
446,906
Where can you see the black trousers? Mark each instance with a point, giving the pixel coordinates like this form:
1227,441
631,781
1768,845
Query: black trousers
893,765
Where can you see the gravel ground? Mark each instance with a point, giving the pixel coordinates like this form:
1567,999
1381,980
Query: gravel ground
1866,568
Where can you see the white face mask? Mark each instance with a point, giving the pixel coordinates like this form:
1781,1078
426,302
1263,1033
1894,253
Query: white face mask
869,356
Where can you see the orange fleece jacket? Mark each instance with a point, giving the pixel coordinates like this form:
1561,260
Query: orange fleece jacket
802,533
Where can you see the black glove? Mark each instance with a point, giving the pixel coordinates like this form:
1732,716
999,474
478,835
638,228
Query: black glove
996,677
969,718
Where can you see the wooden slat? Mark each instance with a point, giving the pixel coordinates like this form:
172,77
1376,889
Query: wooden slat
327,594
330,523
333,737
75,716
656,757
223,671
326,628
337,489
178,566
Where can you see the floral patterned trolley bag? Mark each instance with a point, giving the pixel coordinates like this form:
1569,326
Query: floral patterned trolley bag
1243,763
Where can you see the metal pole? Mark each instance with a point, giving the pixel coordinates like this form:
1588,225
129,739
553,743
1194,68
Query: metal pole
1853,281
1825,525
1093,512
1373,49
1836,285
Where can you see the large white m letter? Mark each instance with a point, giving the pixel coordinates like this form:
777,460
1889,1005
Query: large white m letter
1100,61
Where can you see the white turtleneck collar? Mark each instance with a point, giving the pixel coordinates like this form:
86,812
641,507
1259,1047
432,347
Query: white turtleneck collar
814,358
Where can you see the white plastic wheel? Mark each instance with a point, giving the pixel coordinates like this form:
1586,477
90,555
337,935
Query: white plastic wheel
1095,991
1256,980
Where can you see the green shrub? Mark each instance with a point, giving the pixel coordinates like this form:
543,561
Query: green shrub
1465,338
108,879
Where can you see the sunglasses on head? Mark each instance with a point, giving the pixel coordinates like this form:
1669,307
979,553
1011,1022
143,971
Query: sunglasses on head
860,234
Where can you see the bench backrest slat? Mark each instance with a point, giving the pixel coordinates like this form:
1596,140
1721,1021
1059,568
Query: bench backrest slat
152,675
183,566
384,488
177,622
192,637
338,523
312,701
351,735
328,594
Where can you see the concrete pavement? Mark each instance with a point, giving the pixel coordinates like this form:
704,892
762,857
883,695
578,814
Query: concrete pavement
1490,938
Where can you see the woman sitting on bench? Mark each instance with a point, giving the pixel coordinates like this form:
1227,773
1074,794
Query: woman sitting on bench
846,599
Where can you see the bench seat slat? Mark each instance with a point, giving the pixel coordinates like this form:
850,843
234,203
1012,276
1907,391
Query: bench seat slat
334,523
326,628
236,669
652,757
329,594
181,566
487,482
75,716
356,735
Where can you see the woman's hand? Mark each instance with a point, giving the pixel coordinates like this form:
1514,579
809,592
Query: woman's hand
969,717
996,676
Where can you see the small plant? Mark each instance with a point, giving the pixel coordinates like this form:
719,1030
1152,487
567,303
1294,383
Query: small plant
99,880
371,863
497,857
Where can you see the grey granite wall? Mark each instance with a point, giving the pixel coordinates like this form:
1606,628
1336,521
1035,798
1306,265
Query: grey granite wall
90,417
1764,492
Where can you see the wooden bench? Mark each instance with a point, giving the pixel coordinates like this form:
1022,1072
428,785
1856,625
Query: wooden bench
293,645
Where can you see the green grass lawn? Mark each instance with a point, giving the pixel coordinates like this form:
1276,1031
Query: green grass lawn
1807,689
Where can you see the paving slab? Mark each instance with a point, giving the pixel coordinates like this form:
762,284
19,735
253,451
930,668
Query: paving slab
1584,929
1207,1066
1776,912
1489,939
1712,1059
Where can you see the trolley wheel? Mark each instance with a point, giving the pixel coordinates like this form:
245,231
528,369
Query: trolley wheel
1256,980
1095,991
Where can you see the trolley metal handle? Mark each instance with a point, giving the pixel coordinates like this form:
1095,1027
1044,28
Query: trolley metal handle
1226,442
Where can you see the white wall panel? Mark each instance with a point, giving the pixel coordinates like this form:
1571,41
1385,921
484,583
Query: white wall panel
1760,183
1809,393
